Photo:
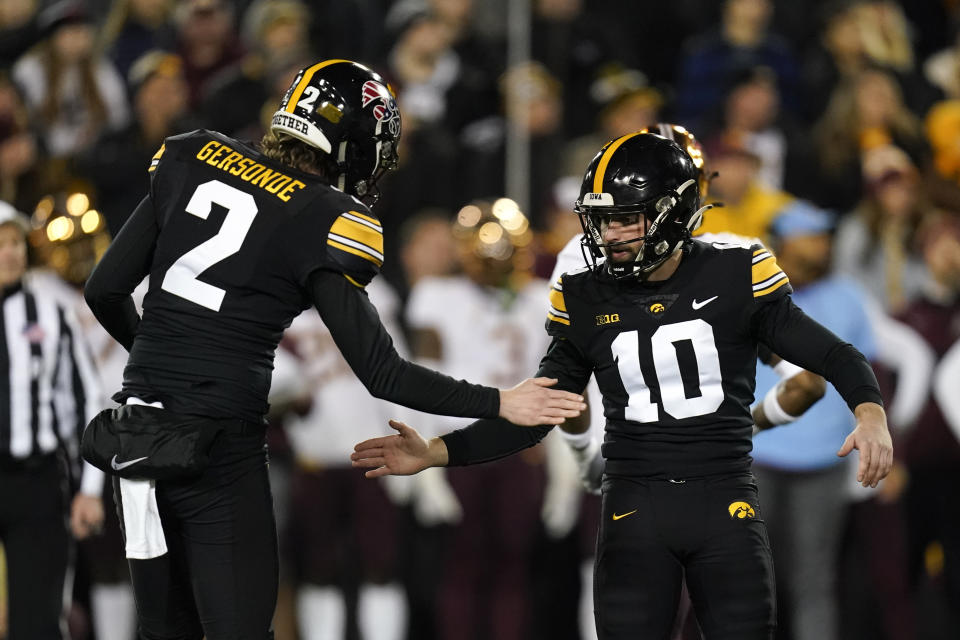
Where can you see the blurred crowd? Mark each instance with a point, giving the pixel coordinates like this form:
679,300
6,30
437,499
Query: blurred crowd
833,131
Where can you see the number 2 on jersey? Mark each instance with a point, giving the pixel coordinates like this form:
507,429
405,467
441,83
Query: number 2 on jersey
673,395
181,277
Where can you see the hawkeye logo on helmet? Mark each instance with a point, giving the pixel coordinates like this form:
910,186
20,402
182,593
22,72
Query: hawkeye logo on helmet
386,111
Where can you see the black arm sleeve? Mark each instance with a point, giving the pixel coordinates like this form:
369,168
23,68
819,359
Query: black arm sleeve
794,336
368,349
125,264
488,440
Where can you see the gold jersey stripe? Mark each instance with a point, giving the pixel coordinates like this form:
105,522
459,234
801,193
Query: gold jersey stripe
369,219
776,285
605,160
358,232
356,252
765,269
557,301
305,80
156,157
352,281
554,318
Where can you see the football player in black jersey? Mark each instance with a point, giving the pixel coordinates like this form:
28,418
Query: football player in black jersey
670,326
237,241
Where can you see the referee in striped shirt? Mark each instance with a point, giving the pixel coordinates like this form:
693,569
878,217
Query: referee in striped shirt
48,393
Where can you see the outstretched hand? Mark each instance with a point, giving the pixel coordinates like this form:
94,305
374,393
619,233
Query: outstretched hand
402,454
872,439
532,403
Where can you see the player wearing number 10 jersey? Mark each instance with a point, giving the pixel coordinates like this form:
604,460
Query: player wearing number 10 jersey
670,327
237,241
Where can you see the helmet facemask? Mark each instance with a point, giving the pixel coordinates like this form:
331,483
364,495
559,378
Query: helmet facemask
667,223
361,165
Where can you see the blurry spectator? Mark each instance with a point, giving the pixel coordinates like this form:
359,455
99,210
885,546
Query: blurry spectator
876,596
748,205
796,465
427,246
207,42
19,148
751,117
76,93
884,33
239,100
274,29
426,178
573,42
930,449
19,29
943,132
450,36
425,67
531,102
742,41
858,35
117,164
134,27
626,104
875,244
865,112
441,74
357,563
481,54
561,225
489,327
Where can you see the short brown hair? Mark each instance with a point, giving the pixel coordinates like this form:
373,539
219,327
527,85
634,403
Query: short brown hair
297,154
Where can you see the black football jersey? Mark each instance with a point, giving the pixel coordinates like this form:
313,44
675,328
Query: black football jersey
675,360
239,235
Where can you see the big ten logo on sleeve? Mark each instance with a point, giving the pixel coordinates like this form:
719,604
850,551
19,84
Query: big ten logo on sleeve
220,156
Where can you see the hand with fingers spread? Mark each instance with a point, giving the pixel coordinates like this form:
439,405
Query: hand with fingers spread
872,439
532,403
402,454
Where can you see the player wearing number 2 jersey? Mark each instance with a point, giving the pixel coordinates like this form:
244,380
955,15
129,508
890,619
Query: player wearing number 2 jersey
237,241
670,327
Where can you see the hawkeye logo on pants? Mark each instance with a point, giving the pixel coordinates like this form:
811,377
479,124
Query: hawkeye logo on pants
741,510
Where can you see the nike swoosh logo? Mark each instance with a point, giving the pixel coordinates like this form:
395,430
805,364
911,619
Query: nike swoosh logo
698,305
623,515
118,466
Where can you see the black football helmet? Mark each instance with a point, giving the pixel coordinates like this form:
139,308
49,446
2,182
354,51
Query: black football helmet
689,143
348,111
640,174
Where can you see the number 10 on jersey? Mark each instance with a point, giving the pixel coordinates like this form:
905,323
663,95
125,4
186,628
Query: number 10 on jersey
664,346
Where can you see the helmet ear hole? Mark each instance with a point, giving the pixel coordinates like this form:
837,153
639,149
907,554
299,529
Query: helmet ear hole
665,203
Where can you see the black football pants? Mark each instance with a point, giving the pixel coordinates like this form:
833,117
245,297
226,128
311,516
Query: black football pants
33,529
218,579
655,533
